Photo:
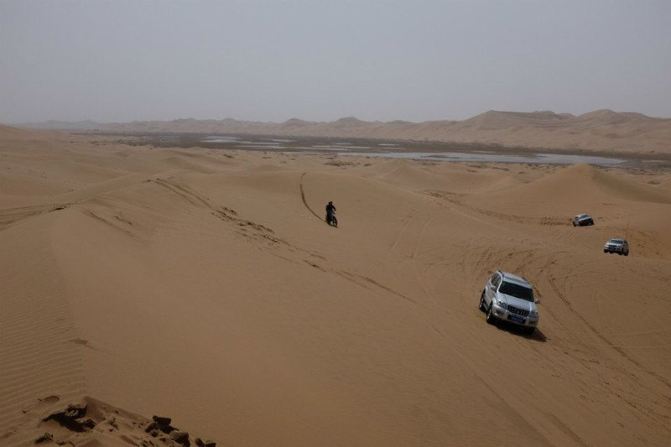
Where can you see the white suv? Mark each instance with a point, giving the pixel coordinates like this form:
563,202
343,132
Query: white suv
509,297
619,246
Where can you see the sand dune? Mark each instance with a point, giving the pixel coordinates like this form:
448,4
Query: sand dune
203,285
600,130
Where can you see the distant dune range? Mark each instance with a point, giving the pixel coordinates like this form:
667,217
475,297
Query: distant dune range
601,130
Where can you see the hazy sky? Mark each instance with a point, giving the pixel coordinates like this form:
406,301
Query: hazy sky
321,60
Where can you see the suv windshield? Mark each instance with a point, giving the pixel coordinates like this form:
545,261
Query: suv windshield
517,291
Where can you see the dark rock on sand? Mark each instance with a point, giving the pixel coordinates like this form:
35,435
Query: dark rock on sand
71,418
205,443
160,420
46,437
181,437
160,423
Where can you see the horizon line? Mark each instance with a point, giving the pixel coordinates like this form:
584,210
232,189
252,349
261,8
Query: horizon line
348,117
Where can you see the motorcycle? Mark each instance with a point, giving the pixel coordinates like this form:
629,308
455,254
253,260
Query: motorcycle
332,220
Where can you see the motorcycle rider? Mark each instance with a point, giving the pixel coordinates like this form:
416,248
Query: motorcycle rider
330,211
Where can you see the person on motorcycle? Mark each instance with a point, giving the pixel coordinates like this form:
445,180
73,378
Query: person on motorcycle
330,212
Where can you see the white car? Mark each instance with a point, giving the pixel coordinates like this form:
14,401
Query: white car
582,220
508,297
619,246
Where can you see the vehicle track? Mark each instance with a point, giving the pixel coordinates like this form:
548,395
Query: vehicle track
10,216
305,202
553,284
545,220
244,227
407,220
415,252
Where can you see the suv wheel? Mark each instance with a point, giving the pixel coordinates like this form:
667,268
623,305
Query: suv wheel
491,319
482,301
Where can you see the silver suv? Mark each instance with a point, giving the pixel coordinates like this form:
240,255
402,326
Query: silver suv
582,220
509,297
619,246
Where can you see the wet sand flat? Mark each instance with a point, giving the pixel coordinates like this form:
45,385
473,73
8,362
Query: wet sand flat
388,148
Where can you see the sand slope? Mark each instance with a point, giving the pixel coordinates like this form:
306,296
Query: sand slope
600,130
204,285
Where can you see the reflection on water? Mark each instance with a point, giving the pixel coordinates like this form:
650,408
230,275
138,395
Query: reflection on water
560,159
260,143
339,147
220,139
260,146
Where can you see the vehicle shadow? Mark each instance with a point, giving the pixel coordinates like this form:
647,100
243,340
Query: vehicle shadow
537,335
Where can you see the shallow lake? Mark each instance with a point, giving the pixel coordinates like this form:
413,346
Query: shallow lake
540,158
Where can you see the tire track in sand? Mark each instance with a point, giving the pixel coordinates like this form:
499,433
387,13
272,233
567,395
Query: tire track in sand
305,202
555,287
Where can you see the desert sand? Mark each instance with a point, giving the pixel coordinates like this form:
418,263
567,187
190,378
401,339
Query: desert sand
204,285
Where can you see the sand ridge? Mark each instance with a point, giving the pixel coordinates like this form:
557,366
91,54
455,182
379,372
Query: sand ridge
203,284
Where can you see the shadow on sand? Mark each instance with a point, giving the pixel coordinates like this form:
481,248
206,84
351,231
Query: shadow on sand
537,335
